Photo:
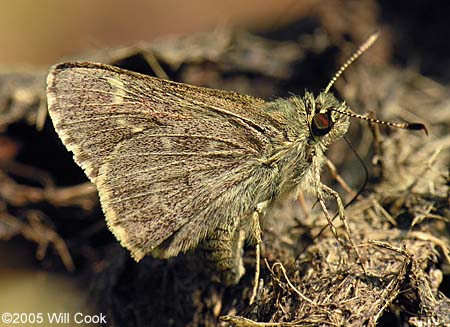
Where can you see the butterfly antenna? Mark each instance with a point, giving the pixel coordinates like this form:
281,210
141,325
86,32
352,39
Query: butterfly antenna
409,126
366,45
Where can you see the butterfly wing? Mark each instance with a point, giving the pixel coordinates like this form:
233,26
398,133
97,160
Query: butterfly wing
163,155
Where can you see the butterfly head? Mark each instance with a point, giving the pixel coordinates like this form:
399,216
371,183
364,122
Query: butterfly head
326,123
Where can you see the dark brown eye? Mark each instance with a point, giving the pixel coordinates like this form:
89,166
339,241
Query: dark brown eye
321,124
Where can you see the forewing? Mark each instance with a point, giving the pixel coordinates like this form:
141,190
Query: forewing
155,149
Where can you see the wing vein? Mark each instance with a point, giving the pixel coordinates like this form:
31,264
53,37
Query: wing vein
200,154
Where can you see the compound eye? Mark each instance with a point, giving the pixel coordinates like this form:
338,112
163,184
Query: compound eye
321,124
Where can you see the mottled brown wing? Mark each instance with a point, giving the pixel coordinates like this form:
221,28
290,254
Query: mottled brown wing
161,153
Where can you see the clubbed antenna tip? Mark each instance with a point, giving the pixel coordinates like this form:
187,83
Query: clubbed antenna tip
417,127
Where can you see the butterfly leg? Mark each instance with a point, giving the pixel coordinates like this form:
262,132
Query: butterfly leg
321,197
326,190
256,234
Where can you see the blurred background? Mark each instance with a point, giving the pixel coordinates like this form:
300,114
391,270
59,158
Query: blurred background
41,32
